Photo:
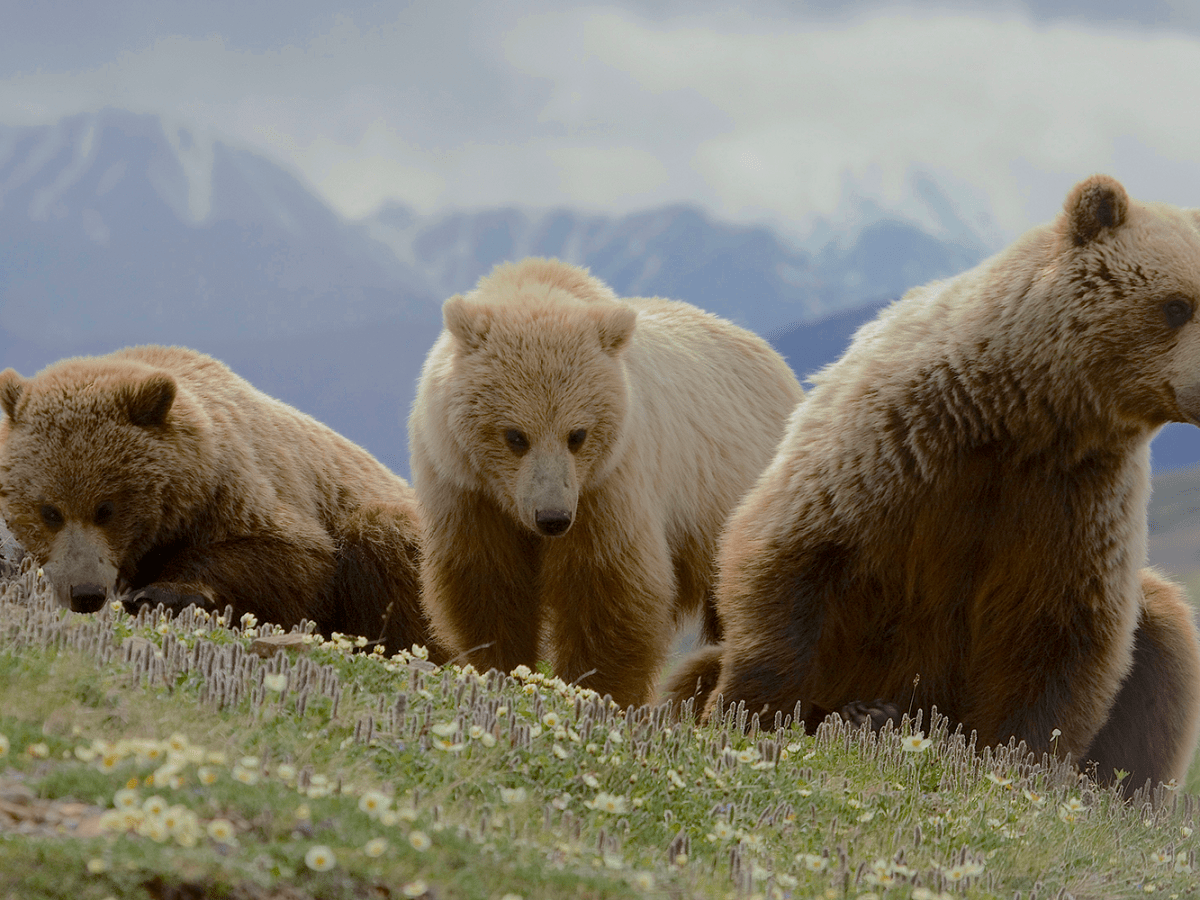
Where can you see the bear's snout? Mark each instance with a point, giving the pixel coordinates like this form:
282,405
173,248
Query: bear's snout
545,494
80,567
552,522
87,598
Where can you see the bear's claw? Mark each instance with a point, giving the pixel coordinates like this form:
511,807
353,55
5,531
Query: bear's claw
877,713
171,601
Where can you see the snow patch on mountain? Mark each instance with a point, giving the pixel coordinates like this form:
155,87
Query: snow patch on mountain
194,153
141,225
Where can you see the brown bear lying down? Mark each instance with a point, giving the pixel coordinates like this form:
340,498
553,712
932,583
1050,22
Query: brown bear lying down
962,497
158,474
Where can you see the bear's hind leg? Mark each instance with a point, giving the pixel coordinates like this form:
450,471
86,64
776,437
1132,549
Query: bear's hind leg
693,679
277,579
376,587
1152,727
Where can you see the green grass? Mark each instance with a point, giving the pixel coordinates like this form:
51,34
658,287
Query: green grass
151,759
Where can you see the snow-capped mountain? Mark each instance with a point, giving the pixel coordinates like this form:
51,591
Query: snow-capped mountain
133,226
113,224
118,228
746,273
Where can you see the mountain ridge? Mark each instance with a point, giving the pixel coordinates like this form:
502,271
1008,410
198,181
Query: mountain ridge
119,228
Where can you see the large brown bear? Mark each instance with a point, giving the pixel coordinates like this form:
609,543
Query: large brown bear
157,474
577,456
962,497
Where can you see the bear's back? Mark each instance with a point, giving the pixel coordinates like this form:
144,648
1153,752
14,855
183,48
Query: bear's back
703,390
269,444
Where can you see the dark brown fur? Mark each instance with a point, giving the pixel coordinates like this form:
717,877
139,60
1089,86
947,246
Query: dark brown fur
958,514
170,480
610,636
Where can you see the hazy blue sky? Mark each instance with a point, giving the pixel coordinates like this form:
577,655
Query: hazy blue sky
774,112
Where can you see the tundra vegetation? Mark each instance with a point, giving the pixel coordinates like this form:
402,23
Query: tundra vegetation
151,757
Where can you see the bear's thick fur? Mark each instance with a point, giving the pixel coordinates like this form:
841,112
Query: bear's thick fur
962,497
576,456
158,474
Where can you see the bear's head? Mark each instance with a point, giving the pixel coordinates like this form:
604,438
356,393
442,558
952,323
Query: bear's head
538,390
1122,284
83,470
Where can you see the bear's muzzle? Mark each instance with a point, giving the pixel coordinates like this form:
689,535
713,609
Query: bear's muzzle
80,567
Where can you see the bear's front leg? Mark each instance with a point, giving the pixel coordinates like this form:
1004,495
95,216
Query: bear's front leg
766,682
479,582
275,579
1049,680
772,595
610,587
174,598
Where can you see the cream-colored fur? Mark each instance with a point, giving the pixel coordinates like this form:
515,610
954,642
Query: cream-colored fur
679,412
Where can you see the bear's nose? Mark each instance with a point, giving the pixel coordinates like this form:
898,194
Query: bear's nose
87,598
552,522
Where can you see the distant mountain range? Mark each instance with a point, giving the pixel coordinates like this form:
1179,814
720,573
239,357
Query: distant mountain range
747,274
118,228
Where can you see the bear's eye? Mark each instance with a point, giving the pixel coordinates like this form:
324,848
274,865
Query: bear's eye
516,440
103,513
1177,311
575,439
51,516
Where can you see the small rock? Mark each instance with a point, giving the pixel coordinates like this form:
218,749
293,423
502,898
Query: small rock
271,644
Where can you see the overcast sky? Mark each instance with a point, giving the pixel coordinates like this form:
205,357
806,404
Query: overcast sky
775,112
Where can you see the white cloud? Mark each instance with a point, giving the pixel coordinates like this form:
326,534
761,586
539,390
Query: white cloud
382,164
598,176
799,107
600,108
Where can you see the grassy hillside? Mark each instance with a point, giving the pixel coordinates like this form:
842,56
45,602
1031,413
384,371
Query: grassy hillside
169,759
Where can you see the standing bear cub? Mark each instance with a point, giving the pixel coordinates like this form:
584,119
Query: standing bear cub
577,456
158,472
962,497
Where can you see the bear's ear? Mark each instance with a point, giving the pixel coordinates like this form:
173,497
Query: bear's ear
615,327
149,401
1093,205
468,322
12,387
